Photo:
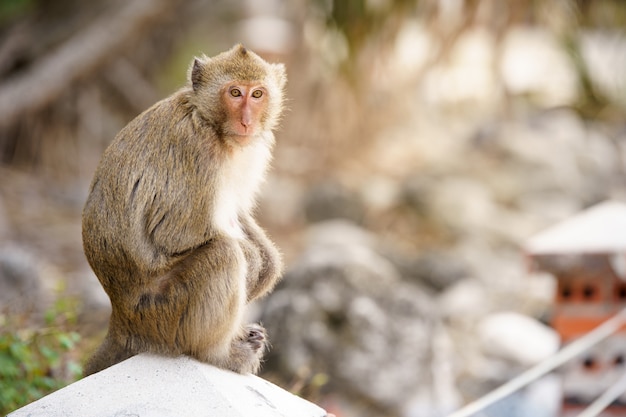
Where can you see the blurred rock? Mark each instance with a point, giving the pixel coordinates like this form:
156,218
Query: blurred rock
462,204
554,156
379,192
440,396
4,222
20,281
416,192
517,338
343,310
95,307
330,200
465,302
339,232
436,269
29,285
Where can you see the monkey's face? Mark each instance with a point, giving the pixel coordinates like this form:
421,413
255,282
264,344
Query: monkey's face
246,107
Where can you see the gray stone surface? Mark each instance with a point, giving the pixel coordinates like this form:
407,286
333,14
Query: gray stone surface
343,310
154,386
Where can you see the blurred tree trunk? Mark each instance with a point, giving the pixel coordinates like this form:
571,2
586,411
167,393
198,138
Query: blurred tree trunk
79,56
70,68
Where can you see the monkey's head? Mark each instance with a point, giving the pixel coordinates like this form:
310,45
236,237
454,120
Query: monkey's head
238,92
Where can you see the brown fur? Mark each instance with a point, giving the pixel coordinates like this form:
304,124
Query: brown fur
168,228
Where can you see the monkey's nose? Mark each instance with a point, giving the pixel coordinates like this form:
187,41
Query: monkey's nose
246,117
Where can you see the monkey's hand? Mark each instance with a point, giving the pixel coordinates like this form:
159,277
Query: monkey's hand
264,260
254,264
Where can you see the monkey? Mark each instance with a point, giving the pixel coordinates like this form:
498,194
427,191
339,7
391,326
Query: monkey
168,224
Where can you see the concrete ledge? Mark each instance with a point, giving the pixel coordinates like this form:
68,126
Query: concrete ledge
155,386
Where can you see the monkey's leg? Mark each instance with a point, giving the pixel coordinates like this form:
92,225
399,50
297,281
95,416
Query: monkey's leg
108,354
209,287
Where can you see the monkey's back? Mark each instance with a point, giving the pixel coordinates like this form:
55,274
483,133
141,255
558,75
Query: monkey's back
151,194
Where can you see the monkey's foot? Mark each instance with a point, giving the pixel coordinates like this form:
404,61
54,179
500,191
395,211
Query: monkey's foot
247,350
256,337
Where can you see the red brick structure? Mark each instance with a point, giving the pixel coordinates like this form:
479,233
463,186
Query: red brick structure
587,256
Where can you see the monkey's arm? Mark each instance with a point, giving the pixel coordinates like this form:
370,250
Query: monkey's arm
264,260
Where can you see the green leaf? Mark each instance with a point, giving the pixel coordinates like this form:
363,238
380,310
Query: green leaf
66,341
75,369
49,354
8,368
49,317
48,383
18,349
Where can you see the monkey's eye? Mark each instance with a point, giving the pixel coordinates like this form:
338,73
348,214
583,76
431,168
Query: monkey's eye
235,92
257,93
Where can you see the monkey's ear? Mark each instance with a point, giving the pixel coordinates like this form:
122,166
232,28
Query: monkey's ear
196,71
280,73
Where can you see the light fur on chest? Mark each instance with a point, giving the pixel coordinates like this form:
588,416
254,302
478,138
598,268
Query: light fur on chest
239,184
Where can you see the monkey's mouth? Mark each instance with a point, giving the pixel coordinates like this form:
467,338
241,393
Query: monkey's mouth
242,140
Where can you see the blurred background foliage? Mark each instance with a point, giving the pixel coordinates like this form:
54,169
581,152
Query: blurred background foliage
456,127
132,54
36,360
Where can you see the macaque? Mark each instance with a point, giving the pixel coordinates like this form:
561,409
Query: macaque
168,226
